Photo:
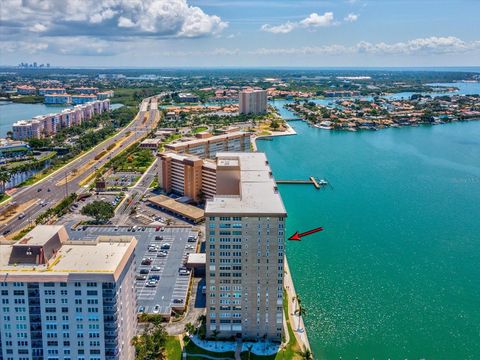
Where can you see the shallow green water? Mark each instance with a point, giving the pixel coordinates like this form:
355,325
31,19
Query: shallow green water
396,273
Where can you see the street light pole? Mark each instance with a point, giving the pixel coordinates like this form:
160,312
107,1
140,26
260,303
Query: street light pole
66,184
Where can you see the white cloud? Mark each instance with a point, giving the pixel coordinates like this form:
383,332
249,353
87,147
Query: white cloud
351,17
279,29
161,18
38,28
432,45
311,21
125,22
315,20
25,46
101,16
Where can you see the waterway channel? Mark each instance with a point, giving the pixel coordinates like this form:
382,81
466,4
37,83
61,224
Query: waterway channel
395,273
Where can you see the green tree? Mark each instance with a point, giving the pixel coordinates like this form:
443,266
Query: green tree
189,328
215,335
101,211
151,344
274,124
5,177
306,354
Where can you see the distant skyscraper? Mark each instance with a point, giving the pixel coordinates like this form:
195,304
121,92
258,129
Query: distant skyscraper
245,224
64,299
253,102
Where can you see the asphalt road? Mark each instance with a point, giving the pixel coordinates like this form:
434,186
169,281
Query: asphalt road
135,194
49,189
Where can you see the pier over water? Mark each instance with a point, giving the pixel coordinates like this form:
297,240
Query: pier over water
311,180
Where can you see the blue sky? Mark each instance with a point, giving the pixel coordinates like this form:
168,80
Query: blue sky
161,33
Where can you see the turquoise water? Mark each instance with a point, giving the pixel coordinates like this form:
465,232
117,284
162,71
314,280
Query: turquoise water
396,272
469,88
12,112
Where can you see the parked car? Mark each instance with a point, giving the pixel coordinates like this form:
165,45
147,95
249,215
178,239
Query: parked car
158,237
165,246
141,277
156,268
162,254
146,261
141,309
151,283
156,309
144,271
178,301
184,272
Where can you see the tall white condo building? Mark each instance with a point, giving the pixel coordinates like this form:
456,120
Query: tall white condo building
245,247
67,300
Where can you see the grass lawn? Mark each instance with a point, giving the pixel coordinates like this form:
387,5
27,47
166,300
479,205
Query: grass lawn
134,159
199,129
173,348
4,197
191,348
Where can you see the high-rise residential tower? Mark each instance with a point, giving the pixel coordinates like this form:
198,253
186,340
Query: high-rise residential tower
253,102
245,247
67,300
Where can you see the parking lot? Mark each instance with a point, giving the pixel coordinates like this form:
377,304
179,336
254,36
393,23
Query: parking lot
122,179
160,284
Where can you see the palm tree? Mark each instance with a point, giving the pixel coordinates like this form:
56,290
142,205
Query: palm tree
5,177
215,334
306,354
189,328
250,347
300,312
264,337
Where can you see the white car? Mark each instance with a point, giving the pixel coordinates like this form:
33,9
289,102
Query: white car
156,309
151,283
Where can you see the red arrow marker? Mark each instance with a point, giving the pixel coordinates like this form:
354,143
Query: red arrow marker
297,236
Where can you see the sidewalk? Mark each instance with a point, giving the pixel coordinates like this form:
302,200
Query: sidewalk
298,326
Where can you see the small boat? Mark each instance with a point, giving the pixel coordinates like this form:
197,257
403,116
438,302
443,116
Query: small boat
322,182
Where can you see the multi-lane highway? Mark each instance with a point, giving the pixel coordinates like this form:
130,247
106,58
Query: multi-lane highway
37,198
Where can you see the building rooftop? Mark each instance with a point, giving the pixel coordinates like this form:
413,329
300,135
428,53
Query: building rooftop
245,186
190,212
178,145
46,250
41,234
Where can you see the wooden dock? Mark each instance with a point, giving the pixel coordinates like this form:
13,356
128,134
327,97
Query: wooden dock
311,180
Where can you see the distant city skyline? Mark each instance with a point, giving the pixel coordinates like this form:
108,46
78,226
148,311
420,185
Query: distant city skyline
248,33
